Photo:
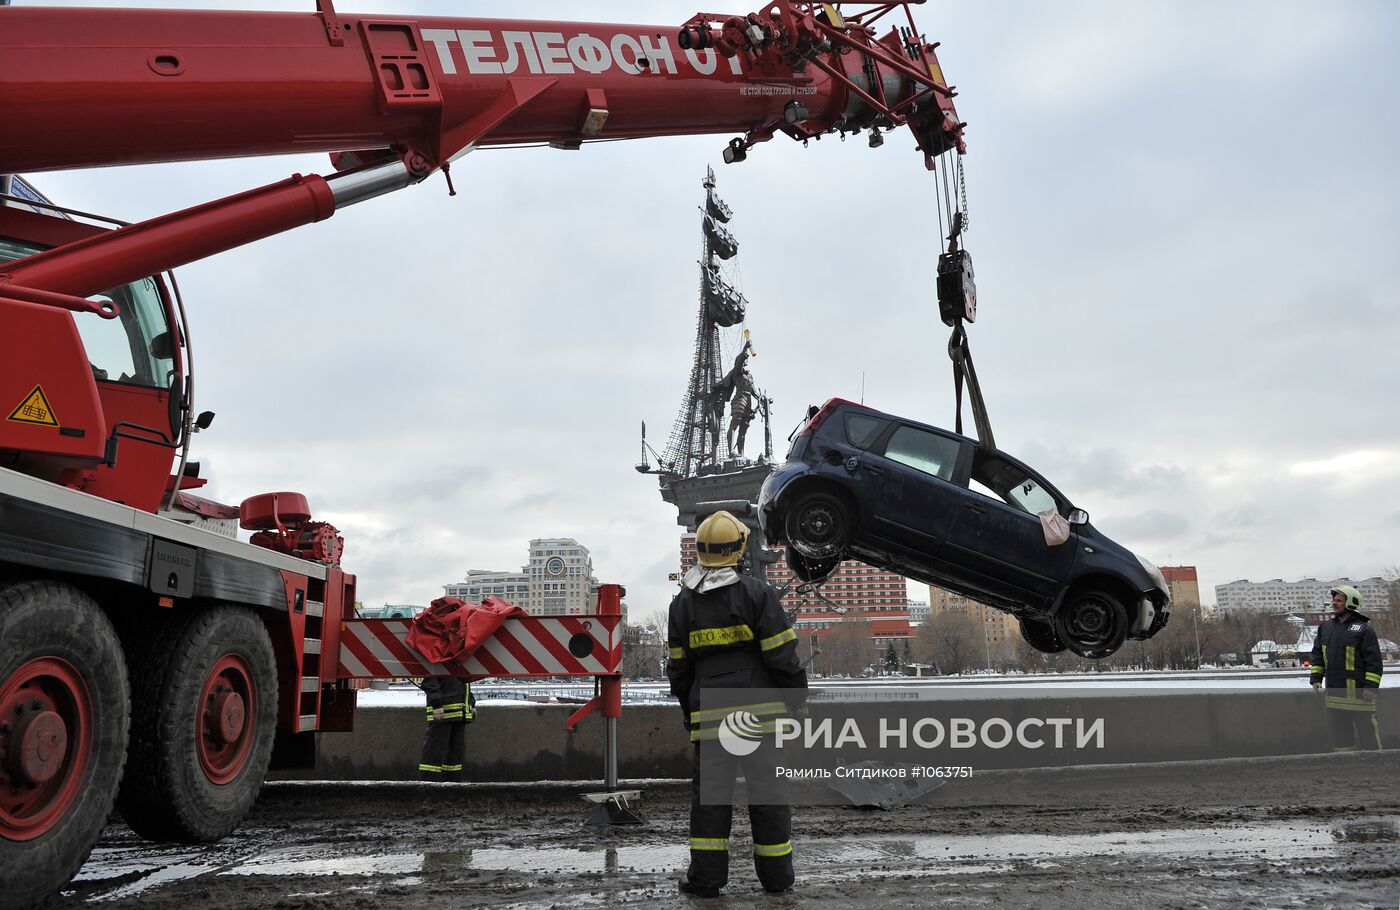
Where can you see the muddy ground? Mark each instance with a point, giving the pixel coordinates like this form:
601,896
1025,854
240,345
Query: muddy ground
1313,831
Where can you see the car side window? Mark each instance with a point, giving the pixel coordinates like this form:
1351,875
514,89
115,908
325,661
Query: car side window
1012,485
1031,496
924,451
862,430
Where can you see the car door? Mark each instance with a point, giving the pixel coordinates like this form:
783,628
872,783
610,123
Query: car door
997,539
913,472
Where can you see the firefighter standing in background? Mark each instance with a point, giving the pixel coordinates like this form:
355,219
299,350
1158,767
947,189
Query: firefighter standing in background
451,706
728,632
1346,664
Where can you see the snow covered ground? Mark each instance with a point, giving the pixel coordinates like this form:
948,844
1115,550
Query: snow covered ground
499,693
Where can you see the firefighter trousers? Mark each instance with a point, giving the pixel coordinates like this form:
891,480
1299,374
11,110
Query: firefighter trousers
712,816
444,748
1350,729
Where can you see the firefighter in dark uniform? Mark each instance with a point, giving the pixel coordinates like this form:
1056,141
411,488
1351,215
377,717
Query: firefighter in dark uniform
1346,665
451,706
728,635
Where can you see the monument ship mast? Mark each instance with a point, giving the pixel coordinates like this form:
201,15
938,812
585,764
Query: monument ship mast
705,458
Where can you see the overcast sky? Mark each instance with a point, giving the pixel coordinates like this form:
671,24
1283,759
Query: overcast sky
1184,218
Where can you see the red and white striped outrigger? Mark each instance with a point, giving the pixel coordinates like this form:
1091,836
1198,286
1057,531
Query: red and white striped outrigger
523,647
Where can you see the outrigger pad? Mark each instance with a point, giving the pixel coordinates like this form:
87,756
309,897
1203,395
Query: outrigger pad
884,792
621,807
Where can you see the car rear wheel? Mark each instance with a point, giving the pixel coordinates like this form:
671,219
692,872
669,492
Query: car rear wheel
819,526
1040,634
805,570
1092,623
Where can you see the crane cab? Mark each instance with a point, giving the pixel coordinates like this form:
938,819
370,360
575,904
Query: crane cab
92,401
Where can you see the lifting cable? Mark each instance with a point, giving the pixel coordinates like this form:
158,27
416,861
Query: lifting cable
957,298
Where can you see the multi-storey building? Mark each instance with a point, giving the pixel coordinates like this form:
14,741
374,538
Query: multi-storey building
557,581
482,583
1308,596
1183,584
1001,631
561,577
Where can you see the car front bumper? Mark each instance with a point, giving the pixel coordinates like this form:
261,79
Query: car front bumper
1150,617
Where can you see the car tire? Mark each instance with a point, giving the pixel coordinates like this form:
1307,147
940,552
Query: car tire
1040,634
61,663
1092,623
819,526
806,570
204,714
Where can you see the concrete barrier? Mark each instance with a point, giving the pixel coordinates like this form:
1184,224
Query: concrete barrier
530,743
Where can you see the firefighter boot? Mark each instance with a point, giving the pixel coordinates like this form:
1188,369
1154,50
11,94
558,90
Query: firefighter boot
689,887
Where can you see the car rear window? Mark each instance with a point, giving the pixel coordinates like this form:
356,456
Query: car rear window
923,451
862,429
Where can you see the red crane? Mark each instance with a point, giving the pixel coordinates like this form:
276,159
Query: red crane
116,588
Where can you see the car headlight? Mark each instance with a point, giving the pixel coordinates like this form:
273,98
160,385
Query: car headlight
1158,578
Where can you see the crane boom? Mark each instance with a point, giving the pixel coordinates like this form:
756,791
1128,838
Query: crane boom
133,86
393,100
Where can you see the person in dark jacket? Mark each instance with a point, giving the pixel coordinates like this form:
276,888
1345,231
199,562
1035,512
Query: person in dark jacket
451,706
1346,665
728,635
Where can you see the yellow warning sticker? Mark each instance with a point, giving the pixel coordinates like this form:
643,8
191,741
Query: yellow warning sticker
34,409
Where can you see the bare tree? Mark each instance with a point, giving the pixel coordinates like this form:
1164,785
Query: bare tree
848,647
952,641
1238,631
644,648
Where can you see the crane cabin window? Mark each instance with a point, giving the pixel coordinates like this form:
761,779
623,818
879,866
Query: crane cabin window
135,348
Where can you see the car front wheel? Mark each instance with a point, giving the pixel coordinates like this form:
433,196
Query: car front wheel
1092,623
819,526
1040,635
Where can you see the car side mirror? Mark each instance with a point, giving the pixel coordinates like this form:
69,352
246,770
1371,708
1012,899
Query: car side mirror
1078,517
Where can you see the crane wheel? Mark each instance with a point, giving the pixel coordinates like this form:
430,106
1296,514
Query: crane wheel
64,703
204,714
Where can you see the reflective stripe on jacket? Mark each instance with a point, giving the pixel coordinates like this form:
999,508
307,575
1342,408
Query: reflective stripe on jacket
732,637
450,700
1346,656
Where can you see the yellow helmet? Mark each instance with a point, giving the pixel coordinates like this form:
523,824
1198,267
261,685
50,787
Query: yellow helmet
1353,596
721,540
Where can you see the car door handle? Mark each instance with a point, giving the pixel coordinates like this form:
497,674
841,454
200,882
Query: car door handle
976,510
853,462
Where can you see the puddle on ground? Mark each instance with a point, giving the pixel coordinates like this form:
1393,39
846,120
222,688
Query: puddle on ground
1368,831
130,871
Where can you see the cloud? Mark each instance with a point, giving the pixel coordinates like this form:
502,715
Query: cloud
1346,464
1154,526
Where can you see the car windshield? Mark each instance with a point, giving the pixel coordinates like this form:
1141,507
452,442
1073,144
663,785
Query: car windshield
1012,484
135,348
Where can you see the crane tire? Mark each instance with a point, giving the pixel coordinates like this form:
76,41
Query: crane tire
203,718
65,700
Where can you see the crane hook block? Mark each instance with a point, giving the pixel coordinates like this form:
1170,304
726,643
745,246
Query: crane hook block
957,289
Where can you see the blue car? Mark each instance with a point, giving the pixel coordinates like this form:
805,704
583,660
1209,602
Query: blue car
936,507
